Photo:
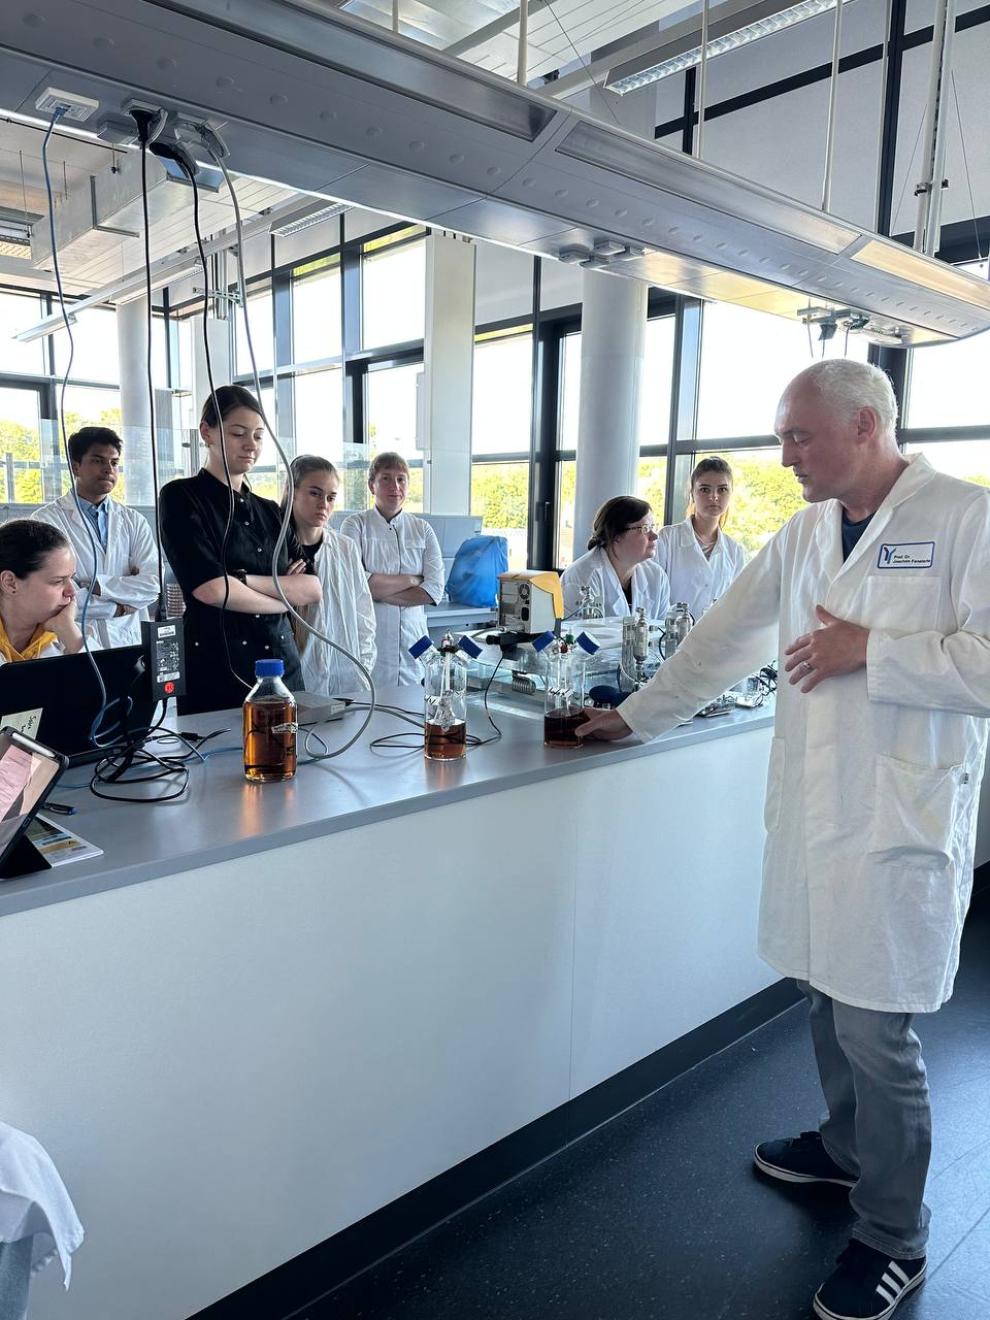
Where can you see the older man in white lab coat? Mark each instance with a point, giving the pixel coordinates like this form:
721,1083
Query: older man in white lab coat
124,580
878,596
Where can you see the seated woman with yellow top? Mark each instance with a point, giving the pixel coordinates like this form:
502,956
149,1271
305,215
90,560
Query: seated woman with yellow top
37,599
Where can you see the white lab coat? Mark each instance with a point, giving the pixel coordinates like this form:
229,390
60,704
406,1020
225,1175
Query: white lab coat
695,579
407,544
346,613
874,778
127,571
34,1202
650,588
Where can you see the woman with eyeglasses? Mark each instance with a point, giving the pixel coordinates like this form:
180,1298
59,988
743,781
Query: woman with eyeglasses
619,570
697,556
346,612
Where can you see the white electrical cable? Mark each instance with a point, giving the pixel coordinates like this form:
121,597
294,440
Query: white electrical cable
287,515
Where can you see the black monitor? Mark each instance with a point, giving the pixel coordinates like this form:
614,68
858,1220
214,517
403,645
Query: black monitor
56,700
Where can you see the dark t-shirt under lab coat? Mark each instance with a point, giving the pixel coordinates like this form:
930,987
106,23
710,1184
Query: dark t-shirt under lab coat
194,512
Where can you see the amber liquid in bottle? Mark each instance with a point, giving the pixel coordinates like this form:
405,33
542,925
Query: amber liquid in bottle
269,741
560,726
445,744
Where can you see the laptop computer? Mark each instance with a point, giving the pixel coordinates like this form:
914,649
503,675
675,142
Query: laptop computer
56,700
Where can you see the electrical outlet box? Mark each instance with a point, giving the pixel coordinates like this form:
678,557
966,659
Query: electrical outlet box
79,108
165,657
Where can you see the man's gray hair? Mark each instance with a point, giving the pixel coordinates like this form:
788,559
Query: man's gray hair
847,386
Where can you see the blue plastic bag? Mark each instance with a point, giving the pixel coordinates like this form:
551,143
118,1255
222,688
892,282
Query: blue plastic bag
473,577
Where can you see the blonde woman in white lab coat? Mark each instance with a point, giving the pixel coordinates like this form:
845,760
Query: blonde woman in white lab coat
619,569
346,612
878,597
698,557
404,566
125,581
37,597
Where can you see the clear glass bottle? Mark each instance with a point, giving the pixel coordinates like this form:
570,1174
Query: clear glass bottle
269,726
445,695
565,705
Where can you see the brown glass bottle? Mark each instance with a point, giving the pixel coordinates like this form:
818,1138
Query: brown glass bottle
269,727
445,744
560,726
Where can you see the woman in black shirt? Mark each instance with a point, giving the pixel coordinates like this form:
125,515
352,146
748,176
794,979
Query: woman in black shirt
233,614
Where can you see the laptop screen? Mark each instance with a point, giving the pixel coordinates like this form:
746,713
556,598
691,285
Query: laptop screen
25,778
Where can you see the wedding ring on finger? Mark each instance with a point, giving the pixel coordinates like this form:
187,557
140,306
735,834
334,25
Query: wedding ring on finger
808,667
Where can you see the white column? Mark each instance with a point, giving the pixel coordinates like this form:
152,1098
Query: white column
448,363
613,335
219,340
135,407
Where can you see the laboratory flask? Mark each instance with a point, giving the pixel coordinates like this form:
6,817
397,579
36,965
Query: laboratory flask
445,695
565,704
269,726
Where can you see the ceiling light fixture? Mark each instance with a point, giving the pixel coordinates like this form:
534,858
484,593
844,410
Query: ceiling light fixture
688,59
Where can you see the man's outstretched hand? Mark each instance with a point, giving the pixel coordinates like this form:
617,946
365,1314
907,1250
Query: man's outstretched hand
604,726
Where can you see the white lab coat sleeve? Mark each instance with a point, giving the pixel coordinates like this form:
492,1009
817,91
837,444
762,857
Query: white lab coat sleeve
433,574
364,606
136,589
733,639
937,672
97,608
661,551
351,528
572,581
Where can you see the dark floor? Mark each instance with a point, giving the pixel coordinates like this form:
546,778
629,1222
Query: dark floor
658,1214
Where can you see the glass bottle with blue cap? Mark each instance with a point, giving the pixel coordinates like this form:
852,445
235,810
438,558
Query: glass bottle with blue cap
445,694
269,726
565,703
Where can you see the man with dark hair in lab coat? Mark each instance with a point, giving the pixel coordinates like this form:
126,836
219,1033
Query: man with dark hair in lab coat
877,598
116,556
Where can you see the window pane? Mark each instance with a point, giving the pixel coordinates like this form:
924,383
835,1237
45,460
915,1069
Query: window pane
502,395
566,478
966,459
764,495
95,407
20,446
654,389
319,417
259,311
94,346
570,391
650,484
948,381
391,411
316,315
393,295
159,353
268,475
747,359
17,312
500,495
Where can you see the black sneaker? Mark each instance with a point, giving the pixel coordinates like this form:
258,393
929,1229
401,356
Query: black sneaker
867,1284
802,1159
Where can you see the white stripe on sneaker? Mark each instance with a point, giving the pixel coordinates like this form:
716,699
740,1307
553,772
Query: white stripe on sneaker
889,1281
897,1272
886,1294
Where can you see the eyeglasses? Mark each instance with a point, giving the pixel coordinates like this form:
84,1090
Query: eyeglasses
648,527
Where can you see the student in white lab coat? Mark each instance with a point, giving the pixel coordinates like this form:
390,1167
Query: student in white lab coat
346,612
401,556
619,570
125,582
698,557
879,598
37,596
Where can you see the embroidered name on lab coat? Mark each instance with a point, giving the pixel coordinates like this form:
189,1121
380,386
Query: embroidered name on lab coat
910,554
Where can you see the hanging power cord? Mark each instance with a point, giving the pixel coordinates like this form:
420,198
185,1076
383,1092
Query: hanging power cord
105,738
215,149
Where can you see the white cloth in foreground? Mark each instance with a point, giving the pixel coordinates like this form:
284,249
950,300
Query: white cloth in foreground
650,588
126,571
34,1202
695,579
407,544
346,613
874,781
